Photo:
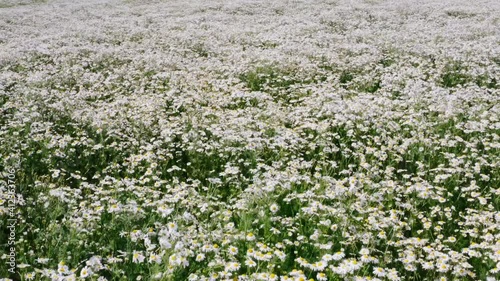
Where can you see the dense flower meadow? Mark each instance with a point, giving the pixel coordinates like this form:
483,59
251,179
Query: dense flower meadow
250,140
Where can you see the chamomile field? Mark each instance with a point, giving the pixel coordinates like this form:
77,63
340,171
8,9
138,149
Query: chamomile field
249,140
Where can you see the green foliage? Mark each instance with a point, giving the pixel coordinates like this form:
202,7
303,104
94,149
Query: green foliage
455,74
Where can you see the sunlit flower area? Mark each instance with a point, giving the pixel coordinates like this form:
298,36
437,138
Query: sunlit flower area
249,140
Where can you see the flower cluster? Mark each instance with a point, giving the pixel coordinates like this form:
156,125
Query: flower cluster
252,140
